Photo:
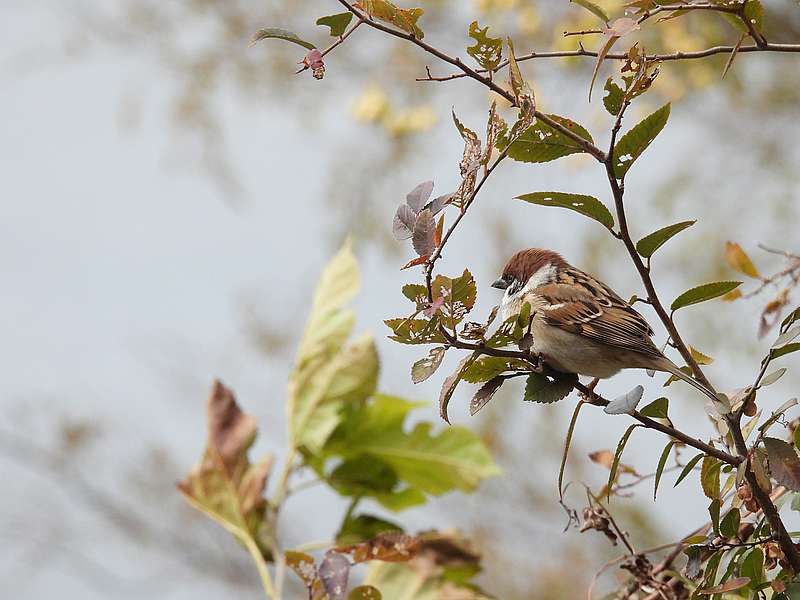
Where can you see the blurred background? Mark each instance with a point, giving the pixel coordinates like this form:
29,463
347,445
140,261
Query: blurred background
169,196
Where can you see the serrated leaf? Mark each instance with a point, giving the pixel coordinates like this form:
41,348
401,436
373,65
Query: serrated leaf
647,246
337,23
688,469
541,143
585,205
636,141
773,377
657,409
784,464
433,463
699,357
280,34
457,295
546,389
625,404
488,367
425,367
484,394
404,18
612,475
662,461
701,293
415,331
487,51
709,476
592,8
415,292
614,97
739,260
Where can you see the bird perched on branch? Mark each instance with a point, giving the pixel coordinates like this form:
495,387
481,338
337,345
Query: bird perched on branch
579,324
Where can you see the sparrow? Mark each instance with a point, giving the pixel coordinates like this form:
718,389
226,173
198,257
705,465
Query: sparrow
580,325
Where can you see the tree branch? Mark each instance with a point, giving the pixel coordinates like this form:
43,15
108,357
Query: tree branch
473,74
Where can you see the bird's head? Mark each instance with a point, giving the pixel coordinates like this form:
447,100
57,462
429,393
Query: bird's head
527,270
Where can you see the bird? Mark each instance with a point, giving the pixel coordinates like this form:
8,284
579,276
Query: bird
580,325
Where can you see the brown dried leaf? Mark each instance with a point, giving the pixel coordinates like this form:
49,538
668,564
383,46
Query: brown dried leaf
392,546
485,394
449,385
424,233
784,465
224,484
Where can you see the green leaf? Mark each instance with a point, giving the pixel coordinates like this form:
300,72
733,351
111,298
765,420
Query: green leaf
415,292
541,143
796,437
585,205
425,367
688,469
662,461
415,331
280,34
546,389
567,443
657,409
728,586
704,292
647,246
488,367
709,476
753,567
360,528
456,295
612,474
614,98
713,510
636,141
592,8
338,23
772,377
455,458
487,51
364,592
404,18
787,349
362,476
729,527
787,337
224,484
328,375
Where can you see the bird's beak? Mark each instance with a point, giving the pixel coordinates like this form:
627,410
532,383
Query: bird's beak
500,284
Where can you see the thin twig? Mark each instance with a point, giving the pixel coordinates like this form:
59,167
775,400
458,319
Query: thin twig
338,42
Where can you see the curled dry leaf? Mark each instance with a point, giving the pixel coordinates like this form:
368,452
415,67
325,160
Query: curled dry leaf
224,484
470,161
392,546
784,464
403,224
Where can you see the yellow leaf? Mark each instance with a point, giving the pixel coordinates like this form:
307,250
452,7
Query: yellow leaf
739,261
699,357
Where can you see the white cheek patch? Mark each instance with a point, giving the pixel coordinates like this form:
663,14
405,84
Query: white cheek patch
544,275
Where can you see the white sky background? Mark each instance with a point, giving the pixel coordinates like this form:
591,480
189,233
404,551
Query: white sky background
123,277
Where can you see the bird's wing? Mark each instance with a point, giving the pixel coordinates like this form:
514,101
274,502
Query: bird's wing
581,304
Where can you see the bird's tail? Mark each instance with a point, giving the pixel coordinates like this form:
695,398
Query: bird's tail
671,367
